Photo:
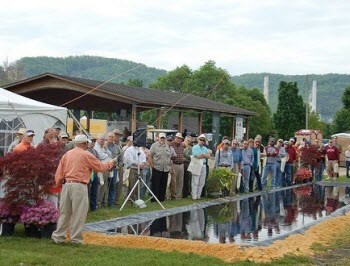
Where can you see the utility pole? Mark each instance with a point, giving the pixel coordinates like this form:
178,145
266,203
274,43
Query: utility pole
307,104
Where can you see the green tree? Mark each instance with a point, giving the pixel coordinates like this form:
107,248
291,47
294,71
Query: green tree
346,98
316,123
341,122
290,114
174,80
135,83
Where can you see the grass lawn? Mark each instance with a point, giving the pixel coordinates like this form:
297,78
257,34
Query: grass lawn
20,250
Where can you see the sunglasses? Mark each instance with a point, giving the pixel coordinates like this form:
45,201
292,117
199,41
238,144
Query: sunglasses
201,139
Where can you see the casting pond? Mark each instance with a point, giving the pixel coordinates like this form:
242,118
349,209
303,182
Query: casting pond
259,219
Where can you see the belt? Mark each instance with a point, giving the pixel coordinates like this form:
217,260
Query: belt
75,181
246,164
224,165
177,163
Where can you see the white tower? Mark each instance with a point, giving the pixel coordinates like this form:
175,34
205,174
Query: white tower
266,89
314,96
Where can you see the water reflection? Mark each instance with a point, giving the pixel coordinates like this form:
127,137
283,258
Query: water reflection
249,220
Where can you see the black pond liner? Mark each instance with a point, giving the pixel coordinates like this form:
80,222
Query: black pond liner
149,219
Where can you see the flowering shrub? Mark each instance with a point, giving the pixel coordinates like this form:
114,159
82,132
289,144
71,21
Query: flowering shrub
29,174
40,214
303,173
9,214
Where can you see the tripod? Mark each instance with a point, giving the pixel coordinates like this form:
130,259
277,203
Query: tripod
138,184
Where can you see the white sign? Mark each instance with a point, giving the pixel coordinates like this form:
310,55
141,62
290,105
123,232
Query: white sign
239,128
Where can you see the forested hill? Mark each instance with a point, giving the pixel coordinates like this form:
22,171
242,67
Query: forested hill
330,89
330,86
91,67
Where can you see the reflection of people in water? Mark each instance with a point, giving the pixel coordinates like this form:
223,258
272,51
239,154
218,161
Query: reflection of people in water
290,209
175,225
158,227
235,228
332,199
272,212
246,220
255,207
195,227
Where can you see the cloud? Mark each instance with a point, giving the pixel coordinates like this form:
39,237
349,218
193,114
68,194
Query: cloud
241,36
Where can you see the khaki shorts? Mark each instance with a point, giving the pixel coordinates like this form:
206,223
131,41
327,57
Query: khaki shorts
333,166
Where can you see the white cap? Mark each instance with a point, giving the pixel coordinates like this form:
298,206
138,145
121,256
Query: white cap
202,136
81,139
162,135
179,135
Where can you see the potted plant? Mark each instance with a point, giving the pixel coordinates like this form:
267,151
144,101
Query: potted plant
9,216
219,182
40,219
303,175
29,175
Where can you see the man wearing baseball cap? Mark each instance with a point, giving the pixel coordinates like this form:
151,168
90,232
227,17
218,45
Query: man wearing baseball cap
177,175
74,172
26,143
271,153
19,136
198,180
160,160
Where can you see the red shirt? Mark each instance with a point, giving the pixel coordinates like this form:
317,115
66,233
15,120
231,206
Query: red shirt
332,152
292,154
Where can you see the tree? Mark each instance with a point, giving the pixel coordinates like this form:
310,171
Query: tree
290,114
11,72
346,98
341,122
316,123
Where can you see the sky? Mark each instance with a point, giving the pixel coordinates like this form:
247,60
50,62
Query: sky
287,37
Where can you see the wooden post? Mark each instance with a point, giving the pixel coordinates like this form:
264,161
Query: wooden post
76,113
200,118
133,117
179,123
233,127
247,128
88,117
159,116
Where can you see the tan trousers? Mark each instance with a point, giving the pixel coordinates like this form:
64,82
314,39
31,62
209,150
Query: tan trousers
74,206
235,170
177,181
103,190
119,187
132,181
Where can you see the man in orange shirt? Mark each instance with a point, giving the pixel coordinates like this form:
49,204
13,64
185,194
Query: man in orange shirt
26,142
74,172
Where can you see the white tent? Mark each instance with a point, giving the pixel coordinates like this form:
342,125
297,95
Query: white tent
18,111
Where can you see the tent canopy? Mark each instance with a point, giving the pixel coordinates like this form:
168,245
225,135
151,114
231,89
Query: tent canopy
35,115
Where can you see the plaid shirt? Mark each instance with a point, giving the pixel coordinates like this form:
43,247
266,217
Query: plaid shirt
179,150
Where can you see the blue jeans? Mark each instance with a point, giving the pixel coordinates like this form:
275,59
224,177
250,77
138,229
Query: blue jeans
93,190
112,188
278,175
288,170
269,168
347,169
319,171
146,177
246,176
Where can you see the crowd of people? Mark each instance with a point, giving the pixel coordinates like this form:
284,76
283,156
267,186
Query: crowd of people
98,172
253,163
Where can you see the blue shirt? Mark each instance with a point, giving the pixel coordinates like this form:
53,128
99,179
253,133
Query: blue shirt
196,150
237,155
248,156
